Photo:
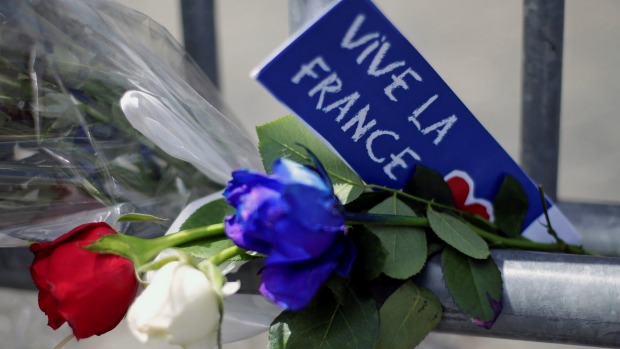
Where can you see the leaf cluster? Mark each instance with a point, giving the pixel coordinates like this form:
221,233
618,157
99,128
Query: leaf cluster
380,305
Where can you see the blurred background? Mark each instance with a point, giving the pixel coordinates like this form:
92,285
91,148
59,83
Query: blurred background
476,47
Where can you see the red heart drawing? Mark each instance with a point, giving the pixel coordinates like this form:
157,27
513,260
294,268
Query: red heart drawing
462,187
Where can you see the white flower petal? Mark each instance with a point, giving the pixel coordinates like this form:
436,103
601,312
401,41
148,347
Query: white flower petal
230,288
180,306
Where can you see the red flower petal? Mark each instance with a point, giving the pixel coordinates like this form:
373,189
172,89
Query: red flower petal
47,303
90,291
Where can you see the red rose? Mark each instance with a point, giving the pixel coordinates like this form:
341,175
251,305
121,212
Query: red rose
90,291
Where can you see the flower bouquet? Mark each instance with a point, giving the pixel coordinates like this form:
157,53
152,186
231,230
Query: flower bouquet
339,256
73,150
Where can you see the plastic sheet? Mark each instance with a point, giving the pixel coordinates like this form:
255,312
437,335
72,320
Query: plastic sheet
69,154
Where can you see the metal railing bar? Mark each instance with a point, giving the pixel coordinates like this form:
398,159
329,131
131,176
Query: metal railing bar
543,37
548,297
200,35
598,224
302,11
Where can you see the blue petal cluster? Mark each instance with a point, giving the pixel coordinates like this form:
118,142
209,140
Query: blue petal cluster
293,218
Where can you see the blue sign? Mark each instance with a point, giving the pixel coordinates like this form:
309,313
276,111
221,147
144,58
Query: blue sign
359,83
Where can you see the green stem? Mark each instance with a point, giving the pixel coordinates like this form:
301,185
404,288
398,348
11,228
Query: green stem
385,219
142,251
550,229
64,341
418,199
191,235
226,254
491,238
525,244
155,265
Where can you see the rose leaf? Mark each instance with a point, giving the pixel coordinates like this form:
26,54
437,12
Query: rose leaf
325,323
457,234
210,213
371,255
282,138
475,285
510,207
407,316
430,185
406,246
139,217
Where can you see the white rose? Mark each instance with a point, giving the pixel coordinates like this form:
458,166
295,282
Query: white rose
180,306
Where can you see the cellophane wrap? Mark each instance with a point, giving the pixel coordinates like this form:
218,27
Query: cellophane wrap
102,114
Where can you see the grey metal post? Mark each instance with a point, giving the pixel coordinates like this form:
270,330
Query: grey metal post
301,11
543,37
199,35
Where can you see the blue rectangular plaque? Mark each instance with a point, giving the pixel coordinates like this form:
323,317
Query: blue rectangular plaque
359,83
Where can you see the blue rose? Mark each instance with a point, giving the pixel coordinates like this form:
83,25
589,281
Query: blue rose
293,218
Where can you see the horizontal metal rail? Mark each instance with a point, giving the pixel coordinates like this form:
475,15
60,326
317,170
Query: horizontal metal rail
599,225
548,297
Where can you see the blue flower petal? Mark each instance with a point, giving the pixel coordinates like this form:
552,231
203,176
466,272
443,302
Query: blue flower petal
289,171
293,243
250,205
319,208
236,232
293,286
243,181
292,217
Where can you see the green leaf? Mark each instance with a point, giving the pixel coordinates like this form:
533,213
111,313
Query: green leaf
210,213
429,184
433,247
327,324
457,234
371,254
475,285
280,139
407,316
139,217
346,192
406,246
510,207
338,286
366,201
278,335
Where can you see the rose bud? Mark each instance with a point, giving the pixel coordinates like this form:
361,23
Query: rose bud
88,290
180,306
293,217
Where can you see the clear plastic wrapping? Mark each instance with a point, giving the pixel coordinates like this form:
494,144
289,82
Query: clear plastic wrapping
73,150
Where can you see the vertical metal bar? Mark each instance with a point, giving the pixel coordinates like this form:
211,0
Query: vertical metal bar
14,263
543,37
199,35
301,11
